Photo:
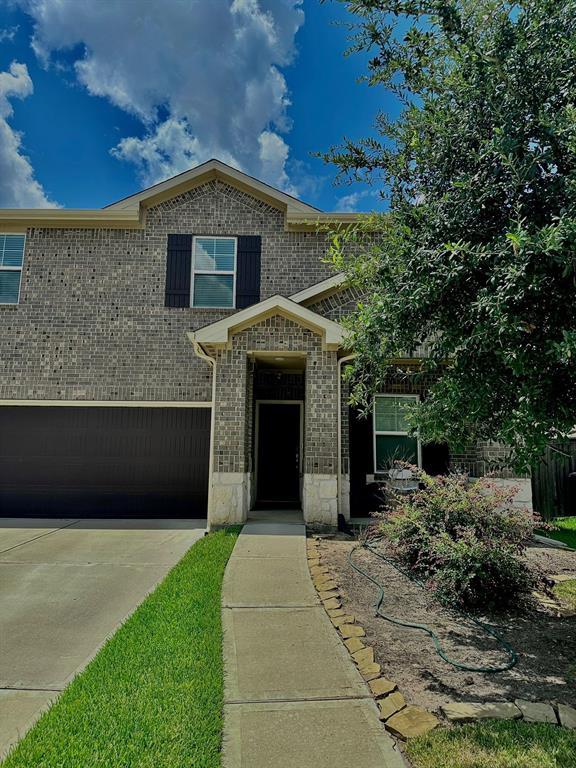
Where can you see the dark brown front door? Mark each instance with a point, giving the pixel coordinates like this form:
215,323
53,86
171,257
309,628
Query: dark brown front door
278,467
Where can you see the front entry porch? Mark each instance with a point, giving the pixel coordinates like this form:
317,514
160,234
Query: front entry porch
275,413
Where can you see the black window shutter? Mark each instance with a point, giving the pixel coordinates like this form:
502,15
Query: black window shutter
248,270
178,269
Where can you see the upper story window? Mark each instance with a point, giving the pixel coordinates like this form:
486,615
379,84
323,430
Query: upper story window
392,442
213,272
11,258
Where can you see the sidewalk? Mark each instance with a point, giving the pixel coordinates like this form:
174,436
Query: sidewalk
293,699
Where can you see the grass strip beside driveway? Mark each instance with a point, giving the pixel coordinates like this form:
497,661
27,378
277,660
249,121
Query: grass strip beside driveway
153,695
495,744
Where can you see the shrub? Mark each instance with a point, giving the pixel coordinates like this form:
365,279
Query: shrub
463,538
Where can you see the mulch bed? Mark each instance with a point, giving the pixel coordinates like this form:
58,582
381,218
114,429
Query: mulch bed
545,642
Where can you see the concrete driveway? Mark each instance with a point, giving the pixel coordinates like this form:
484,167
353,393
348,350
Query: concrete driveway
65,586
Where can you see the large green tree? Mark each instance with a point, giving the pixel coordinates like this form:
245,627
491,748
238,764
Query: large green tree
477,256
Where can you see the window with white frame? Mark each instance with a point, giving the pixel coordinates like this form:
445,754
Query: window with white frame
11,259
392,441
213,272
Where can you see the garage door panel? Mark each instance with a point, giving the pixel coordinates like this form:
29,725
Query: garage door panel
92,461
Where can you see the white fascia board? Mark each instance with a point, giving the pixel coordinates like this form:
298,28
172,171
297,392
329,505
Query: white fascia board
214,169
318,289
218,333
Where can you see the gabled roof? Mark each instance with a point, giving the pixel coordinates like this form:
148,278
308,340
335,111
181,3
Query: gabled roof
214,169
320,290
219,333
130,212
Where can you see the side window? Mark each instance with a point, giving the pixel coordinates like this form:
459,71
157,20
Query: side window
11,259
213,281
391,439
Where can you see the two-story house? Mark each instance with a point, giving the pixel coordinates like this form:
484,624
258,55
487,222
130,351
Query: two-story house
178,353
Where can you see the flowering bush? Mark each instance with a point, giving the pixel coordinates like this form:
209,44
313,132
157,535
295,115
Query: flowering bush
463,538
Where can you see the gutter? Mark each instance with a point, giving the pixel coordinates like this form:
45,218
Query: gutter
341,361
203,355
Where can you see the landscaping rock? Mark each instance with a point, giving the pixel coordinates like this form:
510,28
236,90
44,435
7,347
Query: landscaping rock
382,686
363,657
351,630
319,570
322,578
546,601
332,604
390,705
326,585
560,577
536,712
567,716
468,712
313,563
337,613
550,542
411,722
340,620
354,644
370,671
324,596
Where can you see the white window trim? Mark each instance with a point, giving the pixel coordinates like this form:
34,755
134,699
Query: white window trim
14,269
376,432
213,271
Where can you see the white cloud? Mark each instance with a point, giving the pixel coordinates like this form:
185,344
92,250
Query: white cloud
8,34
18,187
350,203
203,76
168,149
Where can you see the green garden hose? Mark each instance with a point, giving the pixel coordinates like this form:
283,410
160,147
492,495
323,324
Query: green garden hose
512,655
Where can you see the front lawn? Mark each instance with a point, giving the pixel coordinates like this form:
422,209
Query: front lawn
495,744
565,530
566,591
153,696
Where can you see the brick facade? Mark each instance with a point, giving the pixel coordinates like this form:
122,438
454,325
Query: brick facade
91,323
92,326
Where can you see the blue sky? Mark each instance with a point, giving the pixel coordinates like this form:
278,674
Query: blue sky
101,98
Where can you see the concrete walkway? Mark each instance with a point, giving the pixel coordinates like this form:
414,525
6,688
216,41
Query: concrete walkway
293,698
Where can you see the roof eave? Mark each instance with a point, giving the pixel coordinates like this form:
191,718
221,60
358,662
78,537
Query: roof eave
21,219
213,169
219,334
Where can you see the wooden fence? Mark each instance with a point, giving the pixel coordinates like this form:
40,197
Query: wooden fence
553,490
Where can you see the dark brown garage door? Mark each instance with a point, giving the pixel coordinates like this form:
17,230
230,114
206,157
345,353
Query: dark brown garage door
103,462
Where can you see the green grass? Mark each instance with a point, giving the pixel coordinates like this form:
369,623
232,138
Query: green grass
566,591
495,744
565,530
152,697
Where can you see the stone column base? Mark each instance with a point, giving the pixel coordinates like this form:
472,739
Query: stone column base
320,500
229,499
345,496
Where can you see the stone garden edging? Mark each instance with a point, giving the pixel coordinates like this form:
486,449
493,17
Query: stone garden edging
406,720
402,720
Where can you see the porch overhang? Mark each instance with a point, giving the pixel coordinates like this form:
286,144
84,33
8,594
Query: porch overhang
219,334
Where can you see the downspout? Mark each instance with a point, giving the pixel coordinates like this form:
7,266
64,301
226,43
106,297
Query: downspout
342,360
203,355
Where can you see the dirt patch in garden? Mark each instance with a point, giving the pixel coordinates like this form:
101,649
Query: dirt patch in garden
544,641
